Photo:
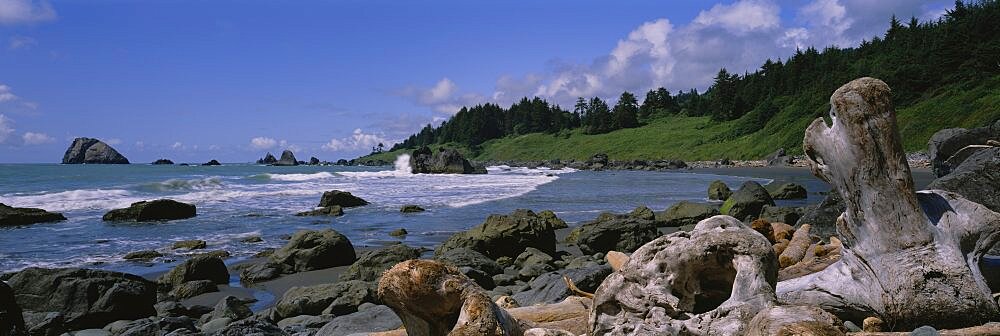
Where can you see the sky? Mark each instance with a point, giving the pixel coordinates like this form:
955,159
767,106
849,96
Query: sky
231,80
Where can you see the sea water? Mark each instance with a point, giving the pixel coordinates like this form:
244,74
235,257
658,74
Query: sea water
236,201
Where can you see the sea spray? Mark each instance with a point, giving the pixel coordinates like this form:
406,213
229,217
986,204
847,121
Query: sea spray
403,164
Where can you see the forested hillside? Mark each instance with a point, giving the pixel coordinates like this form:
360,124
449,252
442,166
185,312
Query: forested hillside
944,73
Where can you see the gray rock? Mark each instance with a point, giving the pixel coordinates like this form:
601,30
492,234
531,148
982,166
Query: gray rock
10,216
371,264
977,179
550,287
156,210
195,244
251,327
230,307
398,232
87,298
463,257
506,235
267,159
748,202
212,162
333,210
194,288
313,250
411,208
338,298
197,268
444,161
947,142
142,255
611,232
287,159
686,213
718,190
91,332
340,198
259,272
305,321
375,319
787,215
786,191
925,331
213,326
92,151
822,217
158,326
45,323
11,319
778,158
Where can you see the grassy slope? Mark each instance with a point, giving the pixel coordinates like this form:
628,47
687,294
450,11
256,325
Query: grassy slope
698,138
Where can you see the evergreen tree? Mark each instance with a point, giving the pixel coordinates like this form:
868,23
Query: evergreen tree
626,111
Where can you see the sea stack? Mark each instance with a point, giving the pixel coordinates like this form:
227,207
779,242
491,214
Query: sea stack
444,161
92,151
287,159
268,159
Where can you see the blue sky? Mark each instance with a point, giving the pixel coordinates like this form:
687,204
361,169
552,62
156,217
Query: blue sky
231,80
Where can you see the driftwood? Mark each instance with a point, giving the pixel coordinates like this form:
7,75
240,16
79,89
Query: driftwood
908,258
796,248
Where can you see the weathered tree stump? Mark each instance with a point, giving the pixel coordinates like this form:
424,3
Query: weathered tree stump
910,258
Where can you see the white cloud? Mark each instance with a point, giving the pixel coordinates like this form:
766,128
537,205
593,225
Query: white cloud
113,141
214,147
25,11
21,42
6,95
263,143
177,146
741,17
32,138
140,145
6,128
443,97
358,141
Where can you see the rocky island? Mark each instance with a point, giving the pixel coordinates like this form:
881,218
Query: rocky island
92,151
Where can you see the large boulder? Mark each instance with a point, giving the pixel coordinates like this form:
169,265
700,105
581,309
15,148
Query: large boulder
340,198
197,268
977,179
550,288
947,142
86,298
11,320
338,298
267,159
313,250
779,158
370,320
786,191
822,217
611,232
92,151
10,216
313,161
444,161
788,215
463,257
254,327
506,235
371,264
287,159
157,210
748,202
719,191
686,213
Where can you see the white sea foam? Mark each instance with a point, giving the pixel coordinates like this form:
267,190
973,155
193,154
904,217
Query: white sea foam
184,184
300,177
72,199
403,164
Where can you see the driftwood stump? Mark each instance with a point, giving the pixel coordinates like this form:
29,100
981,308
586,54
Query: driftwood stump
910,258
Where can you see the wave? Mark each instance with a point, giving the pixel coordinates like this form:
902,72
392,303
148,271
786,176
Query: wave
296,177
182,184
72,199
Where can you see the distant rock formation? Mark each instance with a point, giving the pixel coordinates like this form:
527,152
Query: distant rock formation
92,151
313,161
212,163
156,210
11,216
268,159
163,162
444,161
287,159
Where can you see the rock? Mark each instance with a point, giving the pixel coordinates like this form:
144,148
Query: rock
785,191
925,331
313,161
162,162
194,288
532,263
823,216
45,323
159,326
267,159
718,190
463,257
506,235
398,232
305,322
230,307
341,198
686,213
781,214
444,161
778,158
371,264
872,324
143,255
333,210
313,250
259,272
977,179
252,240
197,268
195,244
410,208
747,203
156,210
338,298
251,327
87,298
551,218
11,319
598,159
643,212
212,163
92,151
550,287
610,232
947,142
375,319
287,159
10,216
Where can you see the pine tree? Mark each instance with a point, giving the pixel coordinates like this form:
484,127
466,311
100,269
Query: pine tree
626,111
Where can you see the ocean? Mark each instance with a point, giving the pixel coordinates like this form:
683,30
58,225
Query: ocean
236,201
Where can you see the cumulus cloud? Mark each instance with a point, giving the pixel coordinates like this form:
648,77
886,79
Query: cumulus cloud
6,95
113,141
6,128
263,143
177,146
443,97
357,141
25,11
32,138
21,42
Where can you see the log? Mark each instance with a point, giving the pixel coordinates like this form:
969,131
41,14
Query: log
910,258
797,247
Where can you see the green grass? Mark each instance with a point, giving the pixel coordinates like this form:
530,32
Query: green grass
698,138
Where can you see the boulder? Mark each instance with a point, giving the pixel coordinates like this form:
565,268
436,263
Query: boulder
92,151
259,272
251,327
194,244
411,208
444,161
157,210
338,298
506,235
781,214
947,142
267,159
333,210
822,217
159,326
748,202
287,159
550,288
551,218
786,191
11,319
194,288
977,179
86,298
313,250
778,158
686,213
371,320
398,232
340,198
142,255
598,159
163,162
45,323
197,268
10,216
212,162
313,161
463,257
230,307
532,263
371,264
719,191
611,232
